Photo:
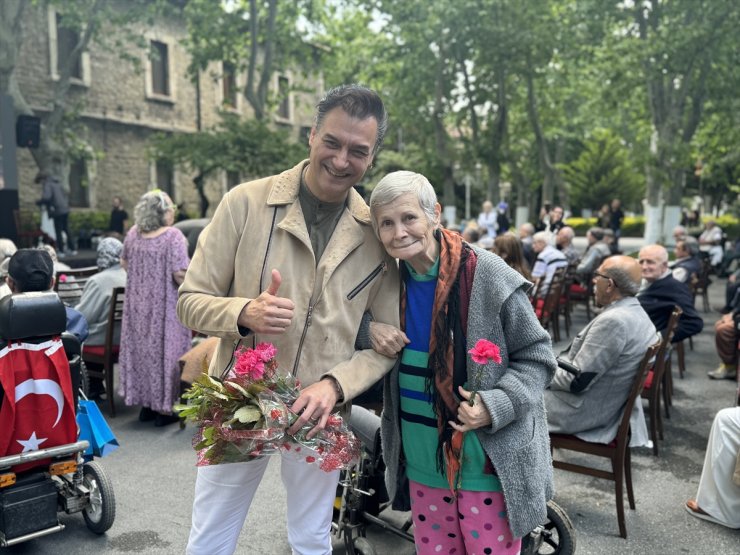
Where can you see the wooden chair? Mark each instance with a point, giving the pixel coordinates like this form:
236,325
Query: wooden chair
657,383
70,283
582,294
566,307
617,451
548,307
700,284
105,356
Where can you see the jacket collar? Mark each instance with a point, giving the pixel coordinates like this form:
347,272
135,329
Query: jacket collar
286,186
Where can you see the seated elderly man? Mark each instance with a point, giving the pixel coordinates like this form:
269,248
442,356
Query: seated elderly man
661,292
33,270
548,260
687,263
564,242
607,352
597,251
710,241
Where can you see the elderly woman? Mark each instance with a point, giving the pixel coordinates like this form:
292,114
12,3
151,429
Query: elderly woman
155,254
95,301
470,437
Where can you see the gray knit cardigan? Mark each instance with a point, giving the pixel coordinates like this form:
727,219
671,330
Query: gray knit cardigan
517,441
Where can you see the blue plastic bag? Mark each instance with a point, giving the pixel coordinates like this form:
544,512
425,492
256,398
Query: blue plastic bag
95,430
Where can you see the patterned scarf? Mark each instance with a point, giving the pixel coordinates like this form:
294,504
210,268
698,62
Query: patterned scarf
447,343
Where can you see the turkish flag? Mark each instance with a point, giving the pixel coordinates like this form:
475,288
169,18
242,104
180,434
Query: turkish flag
37,408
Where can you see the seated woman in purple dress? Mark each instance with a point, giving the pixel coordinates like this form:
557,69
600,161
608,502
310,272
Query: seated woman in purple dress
155,255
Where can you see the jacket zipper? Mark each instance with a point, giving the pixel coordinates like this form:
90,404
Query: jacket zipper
306,325
365,282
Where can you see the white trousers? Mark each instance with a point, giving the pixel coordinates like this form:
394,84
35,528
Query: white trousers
717,494
223,494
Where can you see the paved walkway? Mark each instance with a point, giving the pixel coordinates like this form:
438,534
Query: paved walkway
153,475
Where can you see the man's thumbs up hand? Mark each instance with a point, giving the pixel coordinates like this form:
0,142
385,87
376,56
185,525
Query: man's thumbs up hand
268,313
275,282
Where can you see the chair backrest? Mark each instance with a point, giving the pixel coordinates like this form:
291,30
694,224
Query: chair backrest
635,390
70,284
552,298
665,343
115,316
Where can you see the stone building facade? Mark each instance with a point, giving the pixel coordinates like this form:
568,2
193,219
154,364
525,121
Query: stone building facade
122,107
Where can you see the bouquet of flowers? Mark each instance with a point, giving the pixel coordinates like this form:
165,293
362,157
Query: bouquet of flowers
247,414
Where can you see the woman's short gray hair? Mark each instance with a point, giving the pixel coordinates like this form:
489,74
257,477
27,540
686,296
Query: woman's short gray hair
150,210
399,183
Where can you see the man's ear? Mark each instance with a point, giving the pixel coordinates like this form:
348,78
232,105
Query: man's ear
11,284
53,281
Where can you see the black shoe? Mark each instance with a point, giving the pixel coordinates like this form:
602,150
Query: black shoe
146,414
165,419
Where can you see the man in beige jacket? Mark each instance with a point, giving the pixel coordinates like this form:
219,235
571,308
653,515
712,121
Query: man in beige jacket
292,259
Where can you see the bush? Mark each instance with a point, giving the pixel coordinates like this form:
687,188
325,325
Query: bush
729,223
631,226
88,221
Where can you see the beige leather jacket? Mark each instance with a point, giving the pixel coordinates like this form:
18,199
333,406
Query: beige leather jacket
259,226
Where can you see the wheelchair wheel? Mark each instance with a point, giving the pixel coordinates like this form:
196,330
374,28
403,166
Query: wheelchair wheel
558,537
363,547
101,512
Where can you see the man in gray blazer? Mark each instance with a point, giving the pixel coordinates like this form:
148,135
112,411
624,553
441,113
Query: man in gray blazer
607,352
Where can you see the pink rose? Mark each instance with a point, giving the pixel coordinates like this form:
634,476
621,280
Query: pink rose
485,351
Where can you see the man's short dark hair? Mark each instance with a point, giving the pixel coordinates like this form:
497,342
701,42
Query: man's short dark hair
359,102
31,270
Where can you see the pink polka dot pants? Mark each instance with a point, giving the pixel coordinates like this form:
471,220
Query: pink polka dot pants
473,524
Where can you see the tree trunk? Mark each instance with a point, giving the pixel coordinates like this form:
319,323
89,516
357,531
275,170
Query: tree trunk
548,171
441,140
199,181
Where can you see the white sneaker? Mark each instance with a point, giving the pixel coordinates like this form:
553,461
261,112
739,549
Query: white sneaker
723,372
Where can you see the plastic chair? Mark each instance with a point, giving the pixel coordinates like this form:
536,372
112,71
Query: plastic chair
657,383
104,357
618,451
70,284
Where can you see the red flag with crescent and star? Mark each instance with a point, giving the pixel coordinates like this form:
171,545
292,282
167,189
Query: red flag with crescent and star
37,405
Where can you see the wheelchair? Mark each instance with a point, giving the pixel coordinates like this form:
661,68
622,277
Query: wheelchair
39,483
362,497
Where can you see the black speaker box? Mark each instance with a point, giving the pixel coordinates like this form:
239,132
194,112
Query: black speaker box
27,131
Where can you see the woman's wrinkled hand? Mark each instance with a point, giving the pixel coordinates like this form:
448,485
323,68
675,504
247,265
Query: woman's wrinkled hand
387,340
470,416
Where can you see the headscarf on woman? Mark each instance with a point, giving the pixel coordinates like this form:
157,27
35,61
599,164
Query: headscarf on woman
109,253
